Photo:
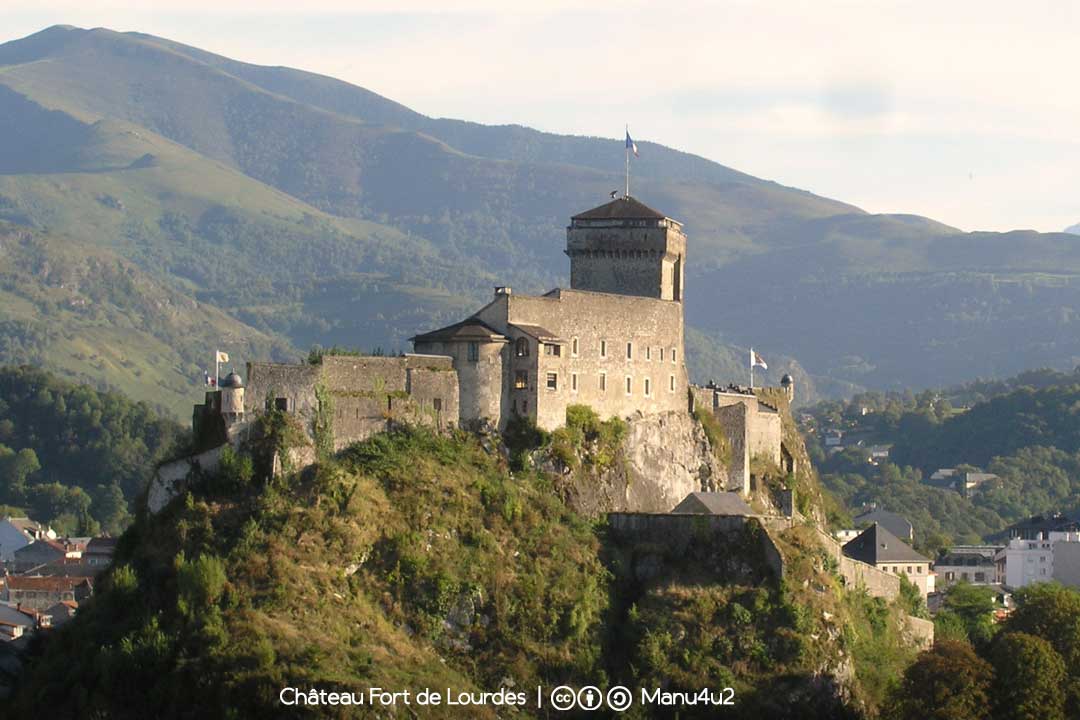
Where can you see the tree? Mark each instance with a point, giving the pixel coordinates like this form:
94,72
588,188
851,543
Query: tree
15,469
1030,679
972,608
1052,612
110,508
947,682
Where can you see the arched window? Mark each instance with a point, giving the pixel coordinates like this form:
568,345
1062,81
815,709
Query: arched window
521,347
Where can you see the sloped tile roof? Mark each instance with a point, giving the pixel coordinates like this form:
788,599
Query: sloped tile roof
624,208
713,503
876,545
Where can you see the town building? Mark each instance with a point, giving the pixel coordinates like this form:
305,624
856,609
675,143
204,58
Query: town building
898,525
878,547
973,564
18,532
40,593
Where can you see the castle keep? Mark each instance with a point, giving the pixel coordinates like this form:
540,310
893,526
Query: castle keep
613,340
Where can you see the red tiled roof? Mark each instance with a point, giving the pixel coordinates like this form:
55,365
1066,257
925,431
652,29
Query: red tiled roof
57,583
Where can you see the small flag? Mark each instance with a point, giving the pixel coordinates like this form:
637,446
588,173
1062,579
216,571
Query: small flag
630,144
222,357
206,378
757,361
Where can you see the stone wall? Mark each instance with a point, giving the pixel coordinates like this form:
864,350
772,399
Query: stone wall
169,478
366,393
723,537
878,583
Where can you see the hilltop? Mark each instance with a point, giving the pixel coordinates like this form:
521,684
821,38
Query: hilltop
308,210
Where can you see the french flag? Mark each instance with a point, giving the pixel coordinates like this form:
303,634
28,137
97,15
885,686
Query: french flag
630,145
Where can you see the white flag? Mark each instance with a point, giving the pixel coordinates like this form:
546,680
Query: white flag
222,356
756,361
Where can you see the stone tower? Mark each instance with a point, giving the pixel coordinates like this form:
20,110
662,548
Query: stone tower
232,398
627,248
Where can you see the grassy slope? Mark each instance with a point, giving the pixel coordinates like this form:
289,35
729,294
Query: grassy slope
91,315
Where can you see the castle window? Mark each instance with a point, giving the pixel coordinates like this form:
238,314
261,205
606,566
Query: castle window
552,349
574,347
474,352
648,387
629,351
661,354
629,385
603,348
671,386
437,404
524,407
521,380
648,352
552,381
573,382
521,347
281,404
673,361
603,382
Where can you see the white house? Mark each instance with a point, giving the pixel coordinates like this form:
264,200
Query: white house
1025,561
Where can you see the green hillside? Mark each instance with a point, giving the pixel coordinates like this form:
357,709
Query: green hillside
315,211
1022,429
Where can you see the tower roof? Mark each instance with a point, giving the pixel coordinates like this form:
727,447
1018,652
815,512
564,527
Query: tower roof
624,208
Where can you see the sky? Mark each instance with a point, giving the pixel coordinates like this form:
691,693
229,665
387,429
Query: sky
965,112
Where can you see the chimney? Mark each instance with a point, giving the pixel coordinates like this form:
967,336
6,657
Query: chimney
503,290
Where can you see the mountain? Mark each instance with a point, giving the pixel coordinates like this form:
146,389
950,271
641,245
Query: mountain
1073,229
308,210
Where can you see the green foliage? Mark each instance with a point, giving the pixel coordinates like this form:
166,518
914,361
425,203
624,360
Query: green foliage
947,682
199,583
587,440
84,455
323,423
521,437
967,613
718,440
1029,682
911,599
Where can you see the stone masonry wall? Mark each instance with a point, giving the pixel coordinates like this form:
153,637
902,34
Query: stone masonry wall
680,535
603,326
646,261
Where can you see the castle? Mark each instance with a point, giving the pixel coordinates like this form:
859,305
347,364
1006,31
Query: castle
612,341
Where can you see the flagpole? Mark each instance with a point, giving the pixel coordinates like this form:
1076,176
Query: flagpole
627,152
217,367
751,368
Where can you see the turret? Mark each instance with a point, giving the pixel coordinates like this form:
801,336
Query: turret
232,398
788,384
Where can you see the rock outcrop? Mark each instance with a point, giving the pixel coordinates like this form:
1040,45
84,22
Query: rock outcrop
663,458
